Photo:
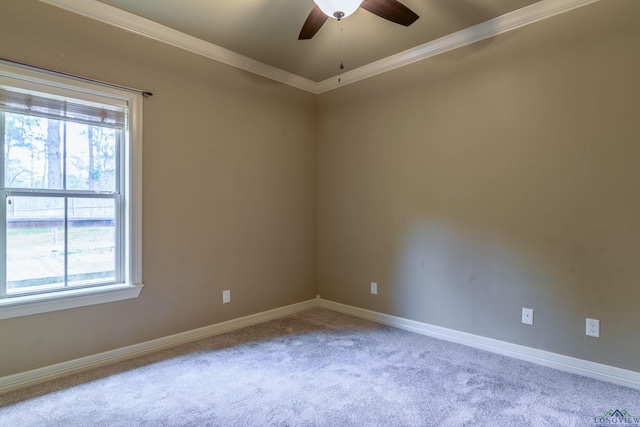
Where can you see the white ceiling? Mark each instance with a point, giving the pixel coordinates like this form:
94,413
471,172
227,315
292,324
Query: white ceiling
267,30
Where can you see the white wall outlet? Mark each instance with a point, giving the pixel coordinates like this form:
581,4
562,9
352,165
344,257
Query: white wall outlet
593,327
226,297
374,288
527,316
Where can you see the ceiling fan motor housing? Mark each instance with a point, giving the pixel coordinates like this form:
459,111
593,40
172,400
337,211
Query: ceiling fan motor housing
338,9
391,10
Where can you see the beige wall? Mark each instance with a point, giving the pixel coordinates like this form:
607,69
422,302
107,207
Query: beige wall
229,188
499,176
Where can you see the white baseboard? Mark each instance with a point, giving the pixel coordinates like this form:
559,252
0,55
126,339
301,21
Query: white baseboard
564,363
540,357
48,373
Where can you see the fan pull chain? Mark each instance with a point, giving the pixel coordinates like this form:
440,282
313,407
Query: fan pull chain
341,53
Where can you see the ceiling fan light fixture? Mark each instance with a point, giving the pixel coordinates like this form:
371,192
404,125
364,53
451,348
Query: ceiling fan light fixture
338,9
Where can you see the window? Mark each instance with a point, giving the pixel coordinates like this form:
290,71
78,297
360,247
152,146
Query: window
70,178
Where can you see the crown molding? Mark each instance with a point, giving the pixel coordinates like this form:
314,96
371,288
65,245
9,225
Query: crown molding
144,27
519,18
493,27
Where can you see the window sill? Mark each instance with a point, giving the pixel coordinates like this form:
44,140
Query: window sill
53,301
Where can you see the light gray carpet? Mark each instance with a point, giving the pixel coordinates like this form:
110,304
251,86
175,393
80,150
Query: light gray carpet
318,368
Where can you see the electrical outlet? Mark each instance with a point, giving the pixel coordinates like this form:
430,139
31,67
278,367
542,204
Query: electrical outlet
374,288
527,316
593,327
226,297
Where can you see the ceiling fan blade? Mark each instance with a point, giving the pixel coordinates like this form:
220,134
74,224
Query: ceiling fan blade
314,21
391,10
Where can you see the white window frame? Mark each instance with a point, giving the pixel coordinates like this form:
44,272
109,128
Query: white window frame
131,286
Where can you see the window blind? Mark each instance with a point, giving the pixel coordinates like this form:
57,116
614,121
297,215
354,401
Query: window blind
34,104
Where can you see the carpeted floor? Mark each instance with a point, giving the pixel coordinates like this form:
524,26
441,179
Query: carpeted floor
318,368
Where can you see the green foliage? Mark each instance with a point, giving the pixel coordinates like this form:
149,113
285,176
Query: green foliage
35,147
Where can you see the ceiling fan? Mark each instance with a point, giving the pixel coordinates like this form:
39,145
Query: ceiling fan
391,10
